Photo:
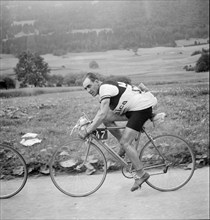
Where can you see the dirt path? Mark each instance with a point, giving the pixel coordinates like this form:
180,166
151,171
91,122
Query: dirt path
41,200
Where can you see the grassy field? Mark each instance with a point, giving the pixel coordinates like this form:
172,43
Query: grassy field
21,92
184,96
158,62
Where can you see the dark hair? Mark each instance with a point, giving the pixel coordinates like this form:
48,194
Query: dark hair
91,76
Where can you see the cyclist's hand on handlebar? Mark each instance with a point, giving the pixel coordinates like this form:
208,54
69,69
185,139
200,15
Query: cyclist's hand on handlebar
83,133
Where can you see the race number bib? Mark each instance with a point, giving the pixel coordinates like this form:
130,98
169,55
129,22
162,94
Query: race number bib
101,133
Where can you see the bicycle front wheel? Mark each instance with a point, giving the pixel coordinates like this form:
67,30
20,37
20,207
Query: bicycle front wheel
13,172
78,168
170,164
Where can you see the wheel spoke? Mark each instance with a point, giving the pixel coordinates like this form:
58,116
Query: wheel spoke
78,169
178,155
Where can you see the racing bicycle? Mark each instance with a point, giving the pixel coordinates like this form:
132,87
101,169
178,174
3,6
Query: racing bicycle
79,167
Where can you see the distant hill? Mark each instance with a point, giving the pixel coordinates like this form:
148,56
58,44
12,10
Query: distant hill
78,26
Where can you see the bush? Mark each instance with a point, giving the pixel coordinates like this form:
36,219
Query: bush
202,64
23,85
189,68
196,52
58,84
59,52
205,50
93,65
56,80
7,82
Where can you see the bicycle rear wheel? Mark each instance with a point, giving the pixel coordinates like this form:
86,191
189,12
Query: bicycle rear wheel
175,170
13,172
78,168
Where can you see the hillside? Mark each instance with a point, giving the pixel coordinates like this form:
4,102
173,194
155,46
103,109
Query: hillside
152,65
79,26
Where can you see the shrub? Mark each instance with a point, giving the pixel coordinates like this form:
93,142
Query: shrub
70,80
7,82
93,65
59,52
55,80
23,85
205,50
189,68
196,52
202,65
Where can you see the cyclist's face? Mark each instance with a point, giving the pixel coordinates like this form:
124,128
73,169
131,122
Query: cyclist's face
91,87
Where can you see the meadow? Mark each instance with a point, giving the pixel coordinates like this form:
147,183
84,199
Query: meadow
151,63
183,96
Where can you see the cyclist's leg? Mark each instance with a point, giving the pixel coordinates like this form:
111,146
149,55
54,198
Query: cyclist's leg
126,142
133,127
110,120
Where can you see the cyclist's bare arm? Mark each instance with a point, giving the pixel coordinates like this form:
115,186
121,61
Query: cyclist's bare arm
143,87
100,116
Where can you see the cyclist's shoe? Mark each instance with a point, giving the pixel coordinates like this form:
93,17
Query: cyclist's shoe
139,181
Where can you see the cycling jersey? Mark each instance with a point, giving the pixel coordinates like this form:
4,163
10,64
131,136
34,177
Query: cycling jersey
124,97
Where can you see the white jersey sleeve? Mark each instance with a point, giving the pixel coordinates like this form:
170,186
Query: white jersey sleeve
107,91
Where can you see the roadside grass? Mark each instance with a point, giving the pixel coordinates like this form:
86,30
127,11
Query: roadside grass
53,115
22,92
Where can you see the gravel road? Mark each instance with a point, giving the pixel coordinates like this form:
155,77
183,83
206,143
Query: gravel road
40,199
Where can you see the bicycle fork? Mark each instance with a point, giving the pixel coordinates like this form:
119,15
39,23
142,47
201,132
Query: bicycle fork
87,143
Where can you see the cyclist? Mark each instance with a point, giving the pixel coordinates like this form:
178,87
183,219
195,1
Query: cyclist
121,102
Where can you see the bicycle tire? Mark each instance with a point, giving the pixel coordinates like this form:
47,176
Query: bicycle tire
180,159
74,177
13,172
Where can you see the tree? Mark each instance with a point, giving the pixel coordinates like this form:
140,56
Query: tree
32,69
9,82
202,65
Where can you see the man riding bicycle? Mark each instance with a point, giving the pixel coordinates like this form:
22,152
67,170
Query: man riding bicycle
121,102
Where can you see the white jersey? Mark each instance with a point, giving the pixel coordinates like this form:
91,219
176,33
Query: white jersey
124,97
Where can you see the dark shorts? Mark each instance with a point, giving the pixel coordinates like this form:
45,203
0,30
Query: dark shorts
136,119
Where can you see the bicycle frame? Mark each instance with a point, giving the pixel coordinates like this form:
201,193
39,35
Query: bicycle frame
99,143
94,139
112,152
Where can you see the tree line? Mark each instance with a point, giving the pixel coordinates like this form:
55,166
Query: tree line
62,43
132,25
